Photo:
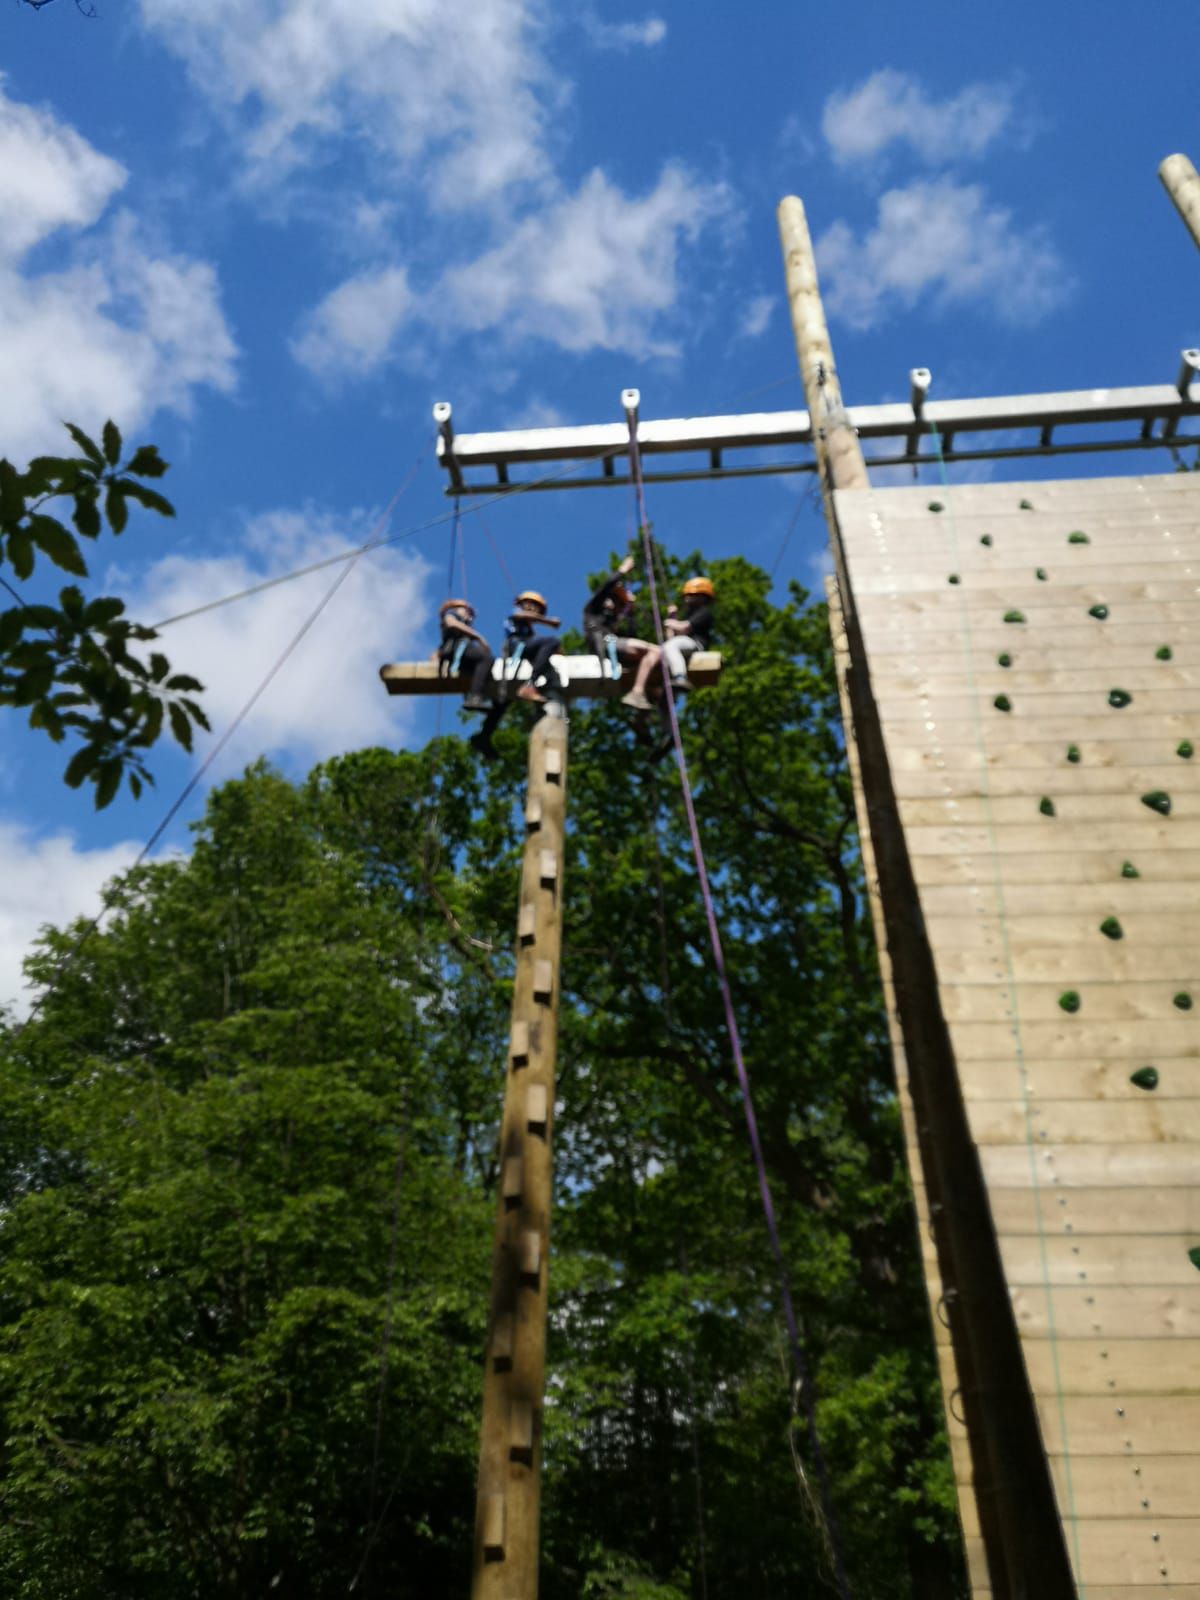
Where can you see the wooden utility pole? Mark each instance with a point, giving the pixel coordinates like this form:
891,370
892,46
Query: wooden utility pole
509,1489
1182,182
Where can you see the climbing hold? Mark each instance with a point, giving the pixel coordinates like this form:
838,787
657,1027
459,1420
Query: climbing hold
954,578
1194,1256
1004,660
1002,703
1040,574
1158,800
1026,505
1099,612
1163,653
1119,698
1078,537
1014,616
936,505
1069,1001
985,538
1112,929
1182,1001
1046,806
1145,1077
1184,749
1128,870
1073,753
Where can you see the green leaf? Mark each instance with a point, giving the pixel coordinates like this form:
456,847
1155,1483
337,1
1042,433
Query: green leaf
57,542
112,443
12,624
182,684
12,501
115,508
101,612
150,498
88,446
20,553
180,726
81,765
87,515
147,462
108,781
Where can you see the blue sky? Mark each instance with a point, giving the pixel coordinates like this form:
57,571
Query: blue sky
268,234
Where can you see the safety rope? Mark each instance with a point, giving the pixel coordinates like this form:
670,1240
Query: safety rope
802,1376
1015,1023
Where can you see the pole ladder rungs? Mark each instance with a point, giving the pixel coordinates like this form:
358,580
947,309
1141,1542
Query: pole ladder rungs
527,923
514,1182
502,1342
493,1528
518,1048
548,868
554,764
543,982
531,1257
536,1108
533,813
520,1446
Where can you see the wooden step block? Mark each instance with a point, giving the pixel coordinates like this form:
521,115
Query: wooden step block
533,812
520,1443
527,923
518,1049
493,1527
554,764
502,1343
548,868
514,1182
543,981
536,1108
530,1260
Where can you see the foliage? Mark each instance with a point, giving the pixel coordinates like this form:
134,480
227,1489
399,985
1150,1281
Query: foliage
71,663
249,1166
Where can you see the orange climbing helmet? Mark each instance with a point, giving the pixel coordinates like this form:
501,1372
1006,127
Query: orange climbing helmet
457,605
530,600
699,586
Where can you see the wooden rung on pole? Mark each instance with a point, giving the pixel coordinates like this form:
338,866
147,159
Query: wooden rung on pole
554,764
533,812
536,1108
543,982
531,1257
514,1182
493,1528
502,1342
520,1446
527,923
518,1049
548,868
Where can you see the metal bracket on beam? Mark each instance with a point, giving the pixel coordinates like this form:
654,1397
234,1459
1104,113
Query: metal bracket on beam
443,411
919,380
1189,369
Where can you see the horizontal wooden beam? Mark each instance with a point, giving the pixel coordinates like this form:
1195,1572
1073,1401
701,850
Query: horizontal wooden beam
584,676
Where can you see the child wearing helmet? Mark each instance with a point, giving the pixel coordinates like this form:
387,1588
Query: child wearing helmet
685,635
522,644
463,650
606,621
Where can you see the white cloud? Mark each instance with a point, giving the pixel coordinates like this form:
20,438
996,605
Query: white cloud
121,328
756,315
596,269
624,35
353,328
46,880
458,100
946,240
328,698
891,107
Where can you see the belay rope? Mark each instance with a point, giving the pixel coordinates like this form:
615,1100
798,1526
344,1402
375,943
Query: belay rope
803,1381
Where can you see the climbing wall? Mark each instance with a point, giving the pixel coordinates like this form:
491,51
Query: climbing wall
1034,651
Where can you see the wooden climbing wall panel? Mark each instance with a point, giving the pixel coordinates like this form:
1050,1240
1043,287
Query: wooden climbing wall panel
1034,651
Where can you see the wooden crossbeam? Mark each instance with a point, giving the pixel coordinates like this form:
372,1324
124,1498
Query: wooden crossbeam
582,676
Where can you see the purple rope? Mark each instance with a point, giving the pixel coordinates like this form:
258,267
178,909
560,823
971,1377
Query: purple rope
743,1077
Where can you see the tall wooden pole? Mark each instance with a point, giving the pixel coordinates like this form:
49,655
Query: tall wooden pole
1182,182
509,1488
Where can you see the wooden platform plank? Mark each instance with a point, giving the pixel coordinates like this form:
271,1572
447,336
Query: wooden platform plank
1127,1260
1146,1120
1150,1313
1098,1166
1145,1210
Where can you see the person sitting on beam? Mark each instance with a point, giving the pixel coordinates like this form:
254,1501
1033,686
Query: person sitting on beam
607,622
464,650
685,636
522,644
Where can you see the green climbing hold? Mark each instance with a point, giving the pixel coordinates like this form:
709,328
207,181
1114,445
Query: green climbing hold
1128,870
985,538
1014,616
1078,537
1002,703
1112,929
1119,698
1046,806
1069,1001
1194,1256
1004,660
1040,574
1099,612
1184,749
1073,753
1158,800
954,578
936,505
1163,653
1026,505
1182,1001
1145,1077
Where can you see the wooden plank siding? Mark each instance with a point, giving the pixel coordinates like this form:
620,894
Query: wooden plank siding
1022,821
